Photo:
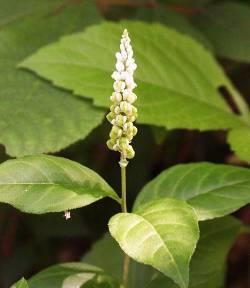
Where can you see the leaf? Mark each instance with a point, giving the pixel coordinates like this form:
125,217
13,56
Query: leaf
170,18
72,275
162,234
14,10
101,251
213,190
177,78
227,26
42,184
159,134
20,284
139,274
208,263
35,117
239,140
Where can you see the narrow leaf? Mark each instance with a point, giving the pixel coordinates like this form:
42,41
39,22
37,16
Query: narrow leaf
162,234
177,78
213,190
41,184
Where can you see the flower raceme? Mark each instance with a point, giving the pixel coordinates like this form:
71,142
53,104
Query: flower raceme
122,111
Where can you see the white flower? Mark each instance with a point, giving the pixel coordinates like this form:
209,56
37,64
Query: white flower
123,113
67,215
120,66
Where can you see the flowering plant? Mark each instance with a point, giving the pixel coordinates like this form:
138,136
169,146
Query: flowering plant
161,233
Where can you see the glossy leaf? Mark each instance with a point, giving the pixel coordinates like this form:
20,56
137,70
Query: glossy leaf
207,267
72,275
162,234
20,284
227,26
41,184
239,140
53,118
139,274
213,190
177,78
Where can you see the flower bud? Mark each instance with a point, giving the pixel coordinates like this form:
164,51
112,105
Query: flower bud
111,116
120,120
111,143
116,97
135,130
130,152
119,66
131,98
119,86
122,113
115,132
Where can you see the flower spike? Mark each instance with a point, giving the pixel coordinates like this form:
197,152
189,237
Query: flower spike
122,111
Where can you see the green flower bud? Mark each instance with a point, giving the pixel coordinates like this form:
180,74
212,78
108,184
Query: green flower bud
112,108
120,120
135,130
116,97
110,116
131,118
123,143
111,143
134,110
130,153
115,132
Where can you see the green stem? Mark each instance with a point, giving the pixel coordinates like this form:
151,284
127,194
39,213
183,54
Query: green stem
124,189
125,270
123,164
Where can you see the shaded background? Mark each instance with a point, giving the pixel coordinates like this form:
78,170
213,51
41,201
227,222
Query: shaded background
29,243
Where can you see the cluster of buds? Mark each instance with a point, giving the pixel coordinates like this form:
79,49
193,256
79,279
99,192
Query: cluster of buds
122,111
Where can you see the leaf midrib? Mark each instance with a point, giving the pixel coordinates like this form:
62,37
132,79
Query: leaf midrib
102,69
97,101
166,249
218,188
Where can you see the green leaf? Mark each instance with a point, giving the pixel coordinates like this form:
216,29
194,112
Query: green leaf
139,275
170,18
160,134
14,10
207,267
20,284
175,89
41,184
72,275
162,234
227,26
207,264
213,190
35,117
239,140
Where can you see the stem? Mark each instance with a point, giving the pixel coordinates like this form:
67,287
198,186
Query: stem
123,164
124,189
125,270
